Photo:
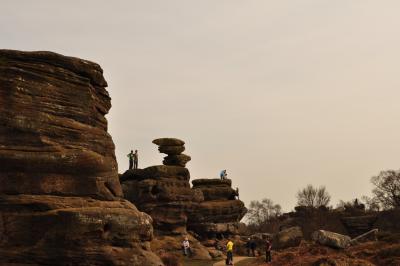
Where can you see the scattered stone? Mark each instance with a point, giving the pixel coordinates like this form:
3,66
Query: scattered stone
331,239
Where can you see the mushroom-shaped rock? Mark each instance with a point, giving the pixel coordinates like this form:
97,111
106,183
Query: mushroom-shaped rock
171,149
179,160
168,142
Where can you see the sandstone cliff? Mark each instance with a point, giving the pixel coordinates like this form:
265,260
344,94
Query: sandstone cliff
220,212
59,190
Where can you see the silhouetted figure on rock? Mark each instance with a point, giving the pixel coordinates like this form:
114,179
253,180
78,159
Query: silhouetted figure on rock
133,159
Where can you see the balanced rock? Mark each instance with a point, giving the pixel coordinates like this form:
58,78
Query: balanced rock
331,239
168,142
59,190
179,160
171,150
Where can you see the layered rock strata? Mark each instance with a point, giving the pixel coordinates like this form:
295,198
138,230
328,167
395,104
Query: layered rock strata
173,148
163,191
220,212
59,190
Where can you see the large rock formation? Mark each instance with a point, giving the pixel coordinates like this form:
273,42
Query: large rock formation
163,191
220,212
59,187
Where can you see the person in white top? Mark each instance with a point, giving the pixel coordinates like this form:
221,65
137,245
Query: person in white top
186,247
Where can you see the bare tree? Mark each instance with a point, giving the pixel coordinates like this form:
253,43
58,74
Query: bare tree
371,203
313,197
387,188
261,212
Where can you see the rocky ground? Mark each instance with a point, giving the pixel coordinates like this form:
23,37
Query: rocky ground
307,254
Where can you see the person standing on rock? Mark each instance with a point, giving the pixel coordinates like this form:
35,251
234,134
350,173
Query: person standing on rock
229,252
268,247
133,159
223,174
130,156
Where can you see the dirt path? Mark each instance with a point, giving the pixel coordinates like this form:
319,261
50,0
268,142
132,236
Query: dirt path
236,259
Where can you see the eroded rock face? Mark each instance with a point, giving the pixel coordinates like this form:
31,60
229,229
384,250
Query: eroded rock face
53,134
220,212
163,191
167,198
59,190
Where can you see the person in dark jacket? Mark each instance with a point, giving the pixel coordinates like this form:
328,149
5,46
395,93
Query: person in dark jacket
253,246
268,247
248,246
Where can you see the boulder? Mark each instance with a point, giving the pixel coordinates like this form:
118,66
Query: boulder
59,190
179,160
164,193
215,189
168,142
171,150
290,237
331,239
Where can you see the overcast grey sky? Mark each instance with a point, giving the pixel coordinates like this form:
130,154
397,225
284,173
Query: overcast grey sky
279,93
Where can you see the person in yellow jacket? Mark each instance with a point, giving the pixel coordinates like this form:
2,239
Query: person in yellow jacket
229,252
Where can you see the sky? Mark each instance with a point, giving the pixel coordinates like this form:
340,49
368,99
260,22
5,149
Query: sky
280,93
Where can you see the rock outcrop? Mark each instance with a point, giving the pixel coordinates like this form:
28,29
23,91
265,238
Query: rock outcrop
358,225
220,212
290,237
163,191
59,190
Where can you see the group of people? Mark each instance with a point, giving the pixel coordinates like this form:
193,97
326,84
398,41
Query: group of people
133,159
251,246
